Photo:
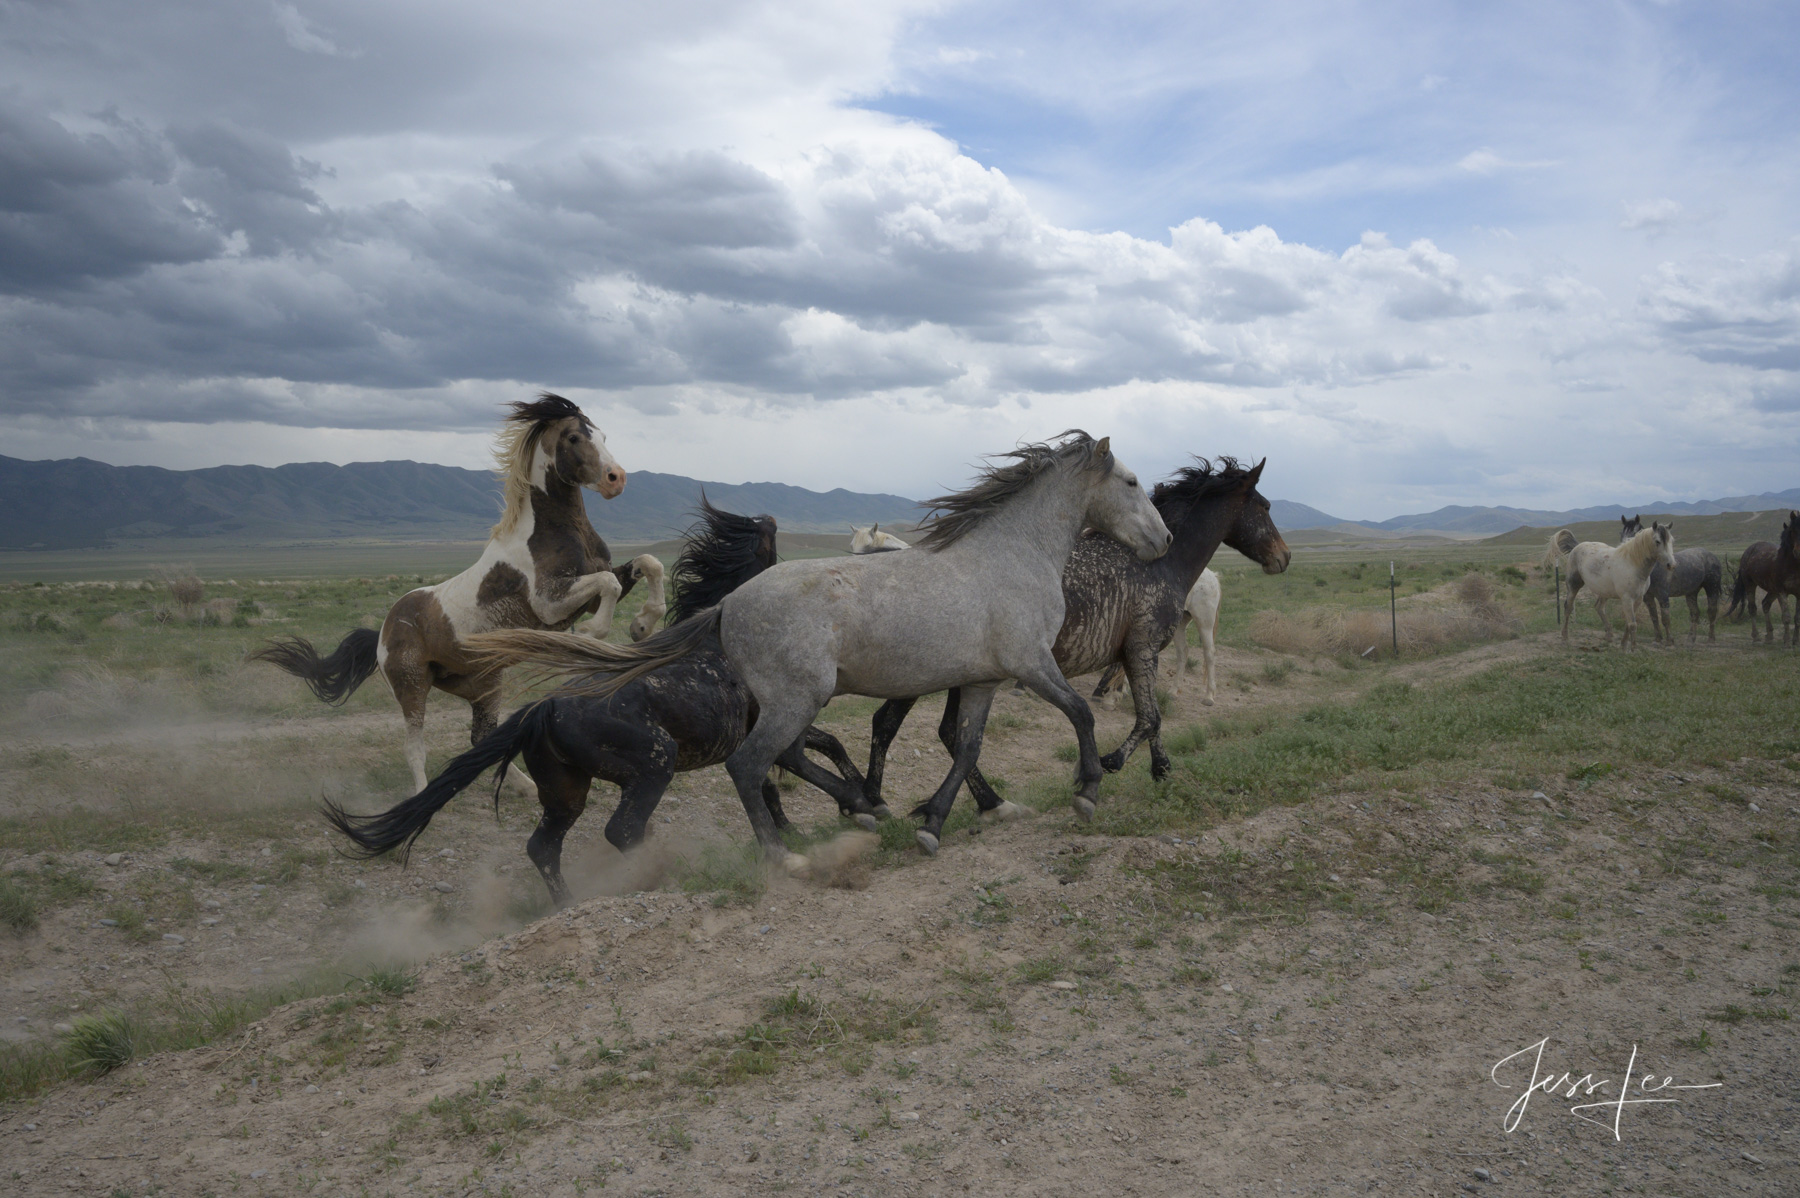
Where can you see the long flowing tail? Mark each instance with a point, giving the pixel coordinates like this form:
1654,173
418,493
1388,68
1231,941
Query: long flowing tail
588,666
401,824
1560,547
331,678
1739,588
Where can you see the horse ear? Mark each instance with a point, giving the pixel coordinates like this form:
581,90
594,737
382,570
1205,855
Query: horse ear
1104,448
1256,472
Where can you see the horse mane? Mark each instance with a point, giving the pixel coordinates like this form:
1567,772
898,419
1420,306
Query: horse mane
952,517
1176,497
515,447
722,551
1640,548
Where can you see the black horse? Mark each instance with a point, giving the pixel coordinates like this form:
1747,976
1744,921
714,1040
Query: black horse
1775,569
1695,570
684,716
1123,611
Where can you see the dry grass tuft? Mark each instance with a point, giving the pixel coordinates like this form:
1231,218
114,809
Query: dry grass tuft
1463,612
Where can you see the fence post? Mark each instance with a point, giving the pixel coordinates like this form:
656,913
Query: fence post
1394,608
1559,617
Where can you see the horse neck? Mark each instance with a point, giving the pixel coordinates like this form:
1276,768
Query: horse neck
1045,518
1198,536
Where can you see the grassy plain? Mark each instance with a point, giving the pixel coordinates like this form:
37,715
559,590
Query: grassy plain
133,726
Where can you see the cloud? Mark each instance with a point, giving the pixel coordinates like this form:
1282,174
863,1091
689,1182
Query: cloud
1741,312
1485,162
301,34
1652,215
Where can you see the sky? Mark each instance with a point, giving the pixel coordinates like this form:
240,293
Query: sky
1414,254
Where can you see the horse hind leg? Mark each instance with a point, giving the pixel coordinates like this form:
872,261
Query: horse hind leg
987,800
971,721
563,791
412,687
483,718
1140,668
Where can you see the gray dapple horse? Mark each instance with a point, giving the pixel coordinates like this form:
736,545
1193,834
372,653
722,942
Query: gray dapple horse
1695,570
978,602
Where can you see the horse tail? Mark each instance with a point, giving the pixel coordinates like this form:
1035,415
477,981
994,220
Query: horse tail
400,825
1559,547
332,678
588,666
1739,586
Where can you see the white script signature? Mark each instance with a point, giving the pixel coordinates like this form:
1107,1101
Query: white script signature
1586,1086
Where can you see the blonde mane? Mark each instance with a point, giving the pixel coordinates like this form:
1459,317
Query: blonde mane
515,448
1640,548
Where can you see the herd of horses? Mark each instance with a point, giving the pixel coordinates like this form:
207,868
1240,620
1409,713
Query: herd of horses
1055,563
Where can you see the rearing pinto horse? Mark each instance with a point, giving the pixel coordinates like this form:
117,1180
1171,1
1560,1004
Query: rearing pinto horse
543,568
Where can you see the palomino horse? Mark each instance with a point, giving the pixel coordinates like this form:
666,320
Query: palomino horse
1120,609
1609,573
979,601
1695,570
544,567
688,714
873,540
1776,570
1201,609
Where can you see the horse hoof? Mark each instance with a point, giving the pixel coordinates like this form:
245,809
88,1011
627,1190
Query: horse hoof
881,811
1112,763
868,822
1084,810
1208,701
928,842
1006,812
795,865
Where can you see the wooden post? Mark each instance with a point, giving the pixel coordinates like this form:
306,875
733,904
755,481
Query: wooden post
1559,617
1394,607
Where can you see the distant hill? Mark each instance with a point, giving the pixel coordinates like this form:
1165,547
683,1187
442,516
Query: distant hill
1726,532
75,503
1490,520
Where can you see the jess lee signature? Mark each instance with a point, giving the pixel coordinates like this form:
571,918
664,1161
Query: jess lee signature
1585,1086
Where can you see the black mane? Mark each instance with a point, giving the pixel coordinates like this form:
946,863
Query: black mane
952,516
1178,496
547,407
722,552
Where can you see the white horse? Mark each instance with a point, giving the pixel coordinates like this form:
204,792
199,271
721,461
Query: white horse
873,540
1202,610
1622,573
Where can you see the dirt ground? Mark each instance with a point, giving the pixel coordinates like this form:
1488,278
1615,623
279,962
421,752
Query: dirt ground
1038,1009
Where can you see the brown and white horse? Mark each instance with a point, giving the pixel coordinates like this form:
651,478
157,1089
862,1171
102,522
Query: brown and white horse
544,568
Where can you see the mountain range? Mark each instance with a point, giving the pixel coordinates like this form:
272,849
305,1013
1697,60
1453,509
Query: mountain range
77,502
1488,521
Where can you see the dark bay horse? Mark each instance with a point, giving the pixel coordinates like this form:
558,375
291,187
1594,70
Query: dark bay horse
544,567
979,601
1695,570
1120,611
1775,569
683,716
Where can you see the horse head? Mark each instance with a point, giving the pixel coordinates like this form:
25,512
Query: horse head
1630,526
1790,538
1253,533
1665,543
565,442
1118,506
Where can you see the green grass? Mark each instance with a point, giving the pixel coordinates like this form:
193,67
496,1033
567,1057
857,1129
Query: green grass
18,910
1561,714
178,1019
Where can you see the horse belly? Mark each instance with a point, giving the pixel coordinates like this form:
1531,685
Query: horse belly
703,704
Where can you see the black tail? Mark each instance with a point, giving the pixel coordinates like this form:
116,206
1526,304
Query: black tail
1738,586
331,678
400,825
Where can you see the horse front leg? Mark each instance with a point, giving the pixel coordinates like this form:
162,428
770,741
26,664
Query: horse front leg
603,588
647,567
971,721
846,790
1140,668
1047,682
1208,654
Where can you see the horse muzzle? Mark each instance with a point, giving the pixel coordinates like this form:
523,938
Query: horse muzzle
611,482
1277,562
